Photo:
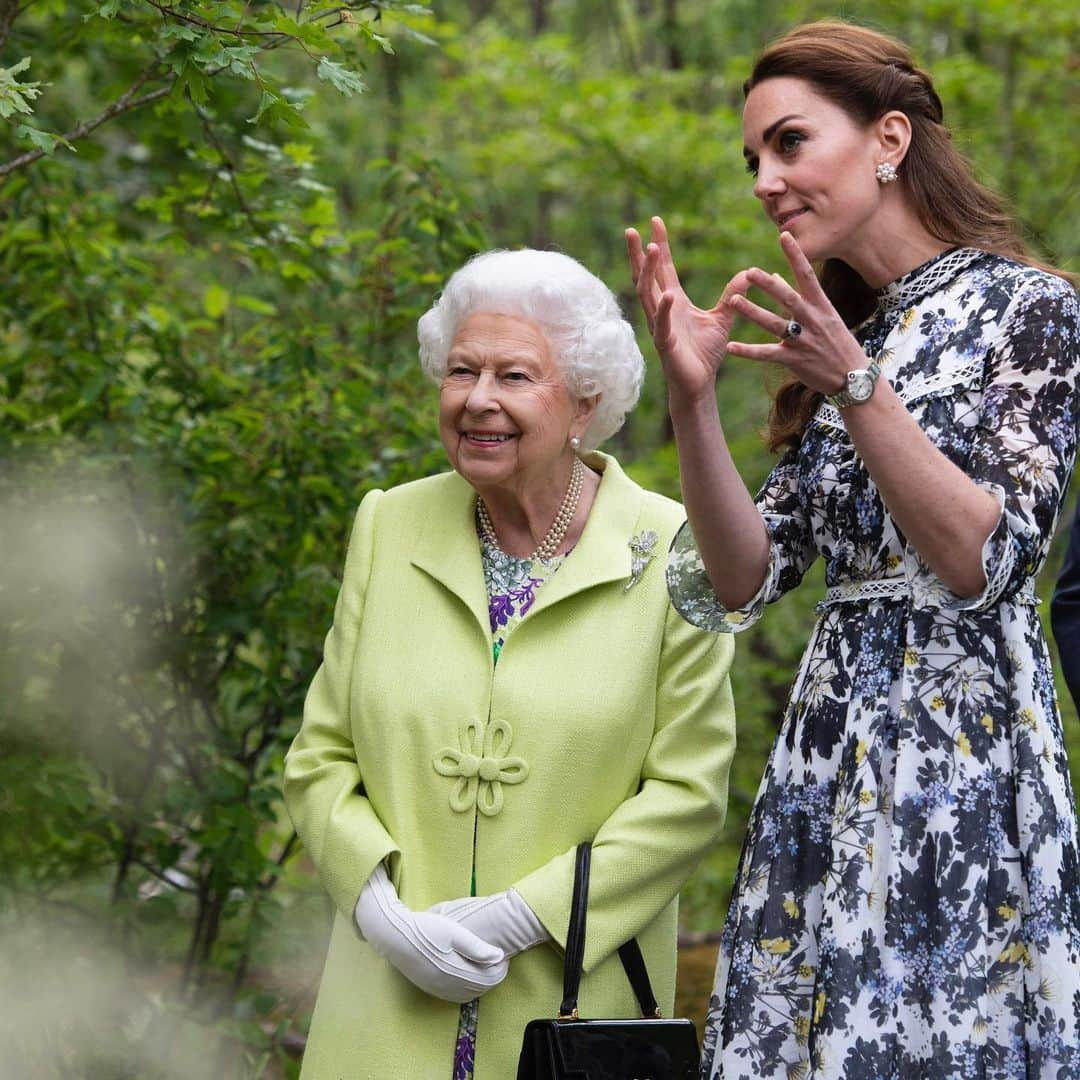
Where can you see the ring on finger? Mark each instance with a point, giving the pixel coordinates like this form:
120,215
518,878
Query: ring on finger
793,329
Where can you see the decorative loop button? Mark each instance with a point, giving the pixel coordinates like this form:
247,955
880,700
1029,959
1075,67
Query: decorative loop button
481,766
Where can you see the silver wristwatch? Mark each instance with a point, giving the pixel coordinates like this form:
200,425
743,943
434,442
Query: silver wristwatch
860,386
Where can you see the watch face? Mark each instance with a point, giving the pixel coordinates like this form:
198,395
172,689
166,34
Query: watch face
860,385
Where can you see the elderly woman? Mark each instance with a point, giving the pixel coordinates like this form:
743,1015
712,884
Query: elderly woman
505,678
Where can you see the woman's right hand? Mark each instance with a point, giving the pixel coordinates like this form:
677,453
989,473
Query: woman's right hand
437,954
691,341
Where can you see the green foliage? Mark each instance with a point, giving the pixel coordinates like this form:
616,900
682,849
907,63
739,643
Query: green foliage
219,222
209,448
15,96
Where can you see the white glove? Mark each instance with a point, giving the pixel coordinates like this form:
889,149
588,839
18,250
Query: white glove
503,919
435,953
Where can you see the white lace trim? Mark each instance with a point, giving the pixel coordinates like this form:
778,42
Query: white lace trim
918,387
903,293
940,380
829,415
875,589
852,592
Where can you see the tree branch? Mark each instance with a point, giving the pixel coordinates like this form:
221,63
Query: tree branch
169,12
8,10
268,882
163,877
124,103
230,169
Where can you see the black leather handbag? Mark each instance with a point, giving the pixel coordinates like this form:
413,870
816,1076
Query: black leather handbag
569,1048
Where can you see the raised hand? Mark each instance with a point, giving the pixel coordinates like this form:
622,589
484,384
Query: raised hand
821,350
690,340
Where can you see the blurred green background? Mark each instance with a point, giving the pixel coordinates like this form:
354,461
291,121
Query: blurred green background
219,222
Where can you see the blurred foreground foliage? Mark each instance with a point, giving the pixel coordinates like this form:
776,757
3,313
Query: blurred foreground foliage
219,222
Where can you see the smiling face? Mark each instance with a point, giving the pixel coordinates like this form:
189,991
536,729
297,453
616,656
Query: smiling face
505,415
814,168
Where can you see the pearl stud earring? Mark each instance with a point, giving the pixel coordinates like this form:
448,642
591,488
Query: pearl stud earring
885,172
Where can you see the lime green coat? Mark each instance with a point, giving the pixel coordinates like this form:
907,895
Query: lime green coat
608,718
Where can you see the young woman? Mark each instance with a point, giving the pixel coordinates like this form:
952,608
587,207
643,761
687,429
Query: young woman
908,900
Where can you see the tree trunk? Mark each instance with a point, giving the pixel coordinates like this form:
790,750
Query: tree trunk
196,936
9,9
669,34
538,9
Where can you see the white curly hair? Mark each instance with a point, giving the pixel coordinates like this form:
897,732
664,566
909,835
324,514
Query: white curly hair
578,314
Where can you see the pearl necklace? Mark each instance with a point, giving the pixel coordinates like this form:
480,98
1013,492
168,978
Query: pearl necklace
549,546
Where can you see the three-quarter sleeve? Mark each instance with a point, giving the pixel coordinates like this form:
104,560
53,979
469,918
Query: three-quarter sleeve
324,789
1024,446
791,551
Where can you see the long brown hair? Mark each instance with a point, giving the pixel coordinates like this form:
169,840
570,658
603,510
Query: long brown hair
868,74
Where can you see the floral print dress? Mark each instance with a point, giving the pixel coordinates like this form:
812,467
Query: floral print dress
512,584
907,904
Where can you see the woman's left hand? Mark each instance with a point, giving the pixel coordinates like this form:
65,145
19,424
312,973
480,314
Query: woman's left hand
503,920
814,342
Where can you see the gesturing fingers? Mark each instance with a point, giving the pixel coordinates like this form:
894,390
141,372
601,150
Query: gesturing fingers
767,320
787,297
773,354
661,328
805,278
666,274
643,271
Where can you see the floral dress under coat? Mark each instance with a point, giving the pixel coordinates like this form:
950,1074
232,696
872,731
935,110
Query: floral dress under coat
907,904
511,584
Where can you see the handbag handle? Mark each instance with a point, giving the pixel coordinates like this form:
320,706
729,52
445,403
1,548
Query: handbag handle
629,954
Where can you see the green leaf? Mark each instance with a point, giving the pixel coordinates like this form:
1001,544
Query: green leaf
274,108
300,153
341,78
195,82
215,301
253,303
384,43
293,269
108,9
267,102
94,386
42,140
323,211
285,24
178,32
15,97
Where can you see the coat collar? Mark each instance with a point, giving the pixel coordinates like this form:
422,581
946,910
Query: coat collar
450,552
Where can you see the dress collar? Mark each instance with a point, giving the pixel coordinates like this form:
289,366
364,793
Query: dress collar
925,279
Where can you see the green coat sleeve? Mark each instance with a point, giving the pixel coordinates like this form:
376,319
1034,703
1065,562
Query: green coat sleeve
323,786
647,848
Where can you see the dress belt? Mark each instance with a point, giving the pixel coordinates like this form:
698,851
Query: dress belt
851,592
